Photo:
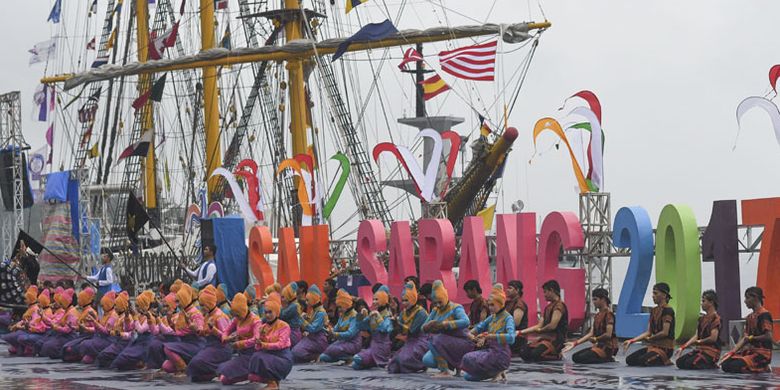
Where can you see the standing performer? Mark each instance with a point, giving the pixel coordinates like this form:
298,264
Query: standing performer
241,336
659,334
517,308
292,311
707,338
21,327
122,332
37,328
493,336
104,277
601,335
348,341
314,340
478,310
207,272
89,349
203,366
145,326
380,324
86,326
552,330
190,324
408,359
65,328
449,324
273,360
753,352
165,332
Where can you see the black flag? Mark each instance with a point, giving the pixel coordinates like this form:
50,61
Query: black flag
29,241
136,217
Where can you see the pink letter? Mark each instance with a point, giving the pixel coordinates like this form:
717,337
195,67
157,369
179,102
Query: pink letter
563,229
371,240
506,248
474,262
527,267
437,252
401,262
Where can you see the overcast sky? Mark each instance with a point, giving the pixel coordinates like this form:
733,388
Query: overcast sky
669,75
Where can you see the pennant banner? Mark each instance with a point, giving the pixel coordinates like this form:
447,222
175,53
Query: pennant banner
595,149
368,33
553,125
764,104
339,187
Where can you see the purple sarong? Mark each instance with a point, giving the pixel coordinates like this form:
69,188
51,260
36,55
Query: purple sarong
71,351
377,354
134,353
344,349
203,366
53,345
12,339
155,353
108,354
187,348
452,346
310,347
487,363
237,368
95,345
408,359
295,336
271,365
34,341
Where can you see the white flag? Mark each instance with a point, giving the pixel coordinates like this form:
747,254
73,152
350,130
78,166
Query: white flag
42,51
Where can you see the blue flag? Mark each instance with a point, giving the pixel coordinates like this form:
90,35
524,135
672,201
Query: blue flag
54,15
368,33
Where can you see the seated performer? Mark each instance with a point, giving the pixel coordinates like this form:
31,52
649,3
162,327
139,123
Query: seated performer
64,329
190,325
315,340
659,335
706,340
167,323
272,360
222,302
601,335
493,336
348,341
379,323
240,335
203,366
22,326
292,311
408,359
89,349
121,334
86,326
517,308
552,330
448,323
144,324
753,352
478,310
37,328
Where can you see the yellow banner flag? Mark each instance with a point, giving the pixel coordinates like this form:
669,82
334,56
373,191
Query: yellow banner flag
111,40
487,215
93,151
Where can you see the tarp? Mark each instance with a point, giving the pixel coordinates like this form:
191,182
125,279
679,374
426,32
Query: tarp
73,199
57,186
231,253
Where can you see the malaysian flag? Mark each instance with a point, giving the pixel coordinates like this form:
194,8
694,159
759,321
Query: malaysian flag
477,62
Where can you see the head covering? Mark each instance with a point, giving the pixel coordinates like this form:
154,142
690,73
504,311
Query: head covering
144,299
290,291
66,298
170,301
497,295
107,302
251,292
208,297
274,287
122,302
176,285
57,298
439,293
274,304
664,288
31,295
239,306
601,293
410,293
382,295
86,296
44,299
184,295
343,299
314,295
221,292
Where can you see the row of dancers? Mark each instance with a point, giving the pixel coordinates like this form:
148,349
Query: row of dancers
200,334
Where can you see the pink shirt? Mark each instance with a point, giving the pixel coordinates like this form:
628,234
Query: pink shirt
69,322
194,317
273,337
245,333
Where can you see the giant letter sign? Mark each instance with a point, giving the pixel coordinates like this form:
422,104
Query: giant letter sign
474,262
526,252
401,262
287,267
563,229
260,244
767,212
632,229
371,240
437,252
506,248
315,254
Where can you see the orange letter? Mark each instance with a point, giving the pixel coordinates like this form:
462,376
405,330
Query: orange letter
287,266
260,244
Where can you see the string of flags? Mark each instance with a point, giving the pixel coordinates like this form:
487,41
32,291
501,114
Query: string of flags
154,93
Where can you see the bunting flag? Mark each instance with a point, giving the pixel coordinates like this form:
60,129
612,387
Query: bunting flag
477,62
367,33
56,10
92,8
159,44
91,44
100,61
87,113
111,39
220,4
42,51
141,100
353,3
40,100
225,41
484,128
136,217
50,142
433,87
140,148
410,55
487,215
158,88
93,151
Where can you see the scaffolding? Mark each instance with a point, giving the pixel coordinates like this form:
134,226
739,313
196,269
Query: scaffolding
596,258
11,139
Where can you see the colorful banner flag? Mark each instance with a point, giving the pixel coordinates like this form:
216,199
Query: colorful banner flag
56,10
477,62
487,215
368,33
140,148
158,88
50,141
353,3
410,55
220,4
136,217
225,41
433,86
93,151
40,100
159,44
43,51
484,128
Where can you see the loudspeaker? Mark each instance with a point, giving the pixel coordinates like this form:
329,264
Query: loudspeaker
7,180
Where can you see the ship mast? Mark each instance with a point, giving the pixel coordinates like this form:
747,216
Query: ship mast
210,95
145,83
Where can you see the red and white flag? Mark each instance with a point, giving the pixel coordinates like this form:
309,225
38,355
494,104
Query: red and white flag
91,44
220,4
477,62
167,39
410,55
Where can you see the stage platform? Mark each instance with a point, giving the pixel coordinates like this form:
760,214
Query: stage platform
40,373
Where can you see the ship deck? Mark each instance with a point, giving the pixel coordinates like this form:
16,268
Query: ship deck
40,373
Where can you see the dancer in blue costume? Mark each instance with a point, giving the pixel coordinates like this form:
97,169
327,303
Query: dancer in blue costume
493,338
448,323
379,323
408,359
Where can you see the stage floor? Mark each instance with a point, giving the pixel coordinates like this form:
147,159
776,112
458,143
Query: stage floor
39,373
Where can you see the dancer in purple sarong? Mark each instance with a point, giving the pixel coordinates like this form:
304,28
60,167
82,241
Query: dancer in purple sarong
272,361
22,326
203,366
179,353
408,359
71,351
380,323
89,349
38,328
493,338
315,339
134,355
121,334
64,328
348,341
241,336
292,311
448,323
163,332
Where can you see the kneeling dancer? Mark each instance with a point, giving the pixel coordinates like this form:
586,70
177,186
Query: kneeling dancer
449,324
272,360
493,338
753,353
348,340
315,339
707,338
379,323
659,335
601,335
408,359
552,330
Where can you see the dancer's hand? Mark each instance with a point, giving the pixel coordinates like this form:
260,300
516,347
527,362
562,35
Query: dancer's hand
568,347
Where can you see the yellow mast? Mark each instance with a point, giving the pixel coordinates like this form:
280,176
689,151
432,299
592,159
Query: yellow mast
144,83
210,94
298,105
